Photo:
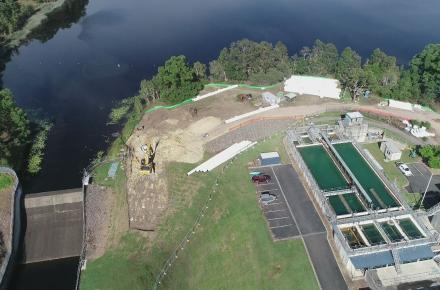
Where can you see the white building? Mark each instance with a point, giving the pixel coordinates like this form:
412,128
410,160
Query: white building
390,150
316,86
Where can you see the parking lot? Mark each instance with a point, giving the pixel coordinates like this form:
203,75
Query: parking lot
419,180
280,221
292,215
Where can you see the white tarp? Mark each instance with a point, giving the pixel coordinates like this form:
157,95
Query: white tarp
317,86
270,98
421,132
260,110
198,98
400,105
223,156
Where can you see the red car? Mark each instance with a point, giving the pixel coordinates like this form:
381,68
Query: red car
263,178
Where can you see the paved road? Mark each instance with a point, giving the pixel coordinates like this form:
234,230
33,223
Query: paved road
310,227
419,181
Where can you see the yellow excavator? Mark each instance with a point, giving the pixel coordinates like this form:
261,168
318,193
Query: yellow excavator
148,165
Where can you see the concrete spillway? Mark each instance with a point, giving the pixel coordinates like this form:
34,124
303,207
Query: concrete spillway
54,225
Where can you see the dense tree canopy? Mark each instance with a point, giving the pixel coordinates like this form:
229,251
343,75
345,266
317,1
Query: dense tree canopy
14,126
248,60
176,81
320,60
12,16
425,69
381,72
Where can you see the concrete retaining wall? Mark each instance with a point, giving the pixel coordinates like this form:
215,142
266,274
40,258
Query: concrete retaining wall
15,229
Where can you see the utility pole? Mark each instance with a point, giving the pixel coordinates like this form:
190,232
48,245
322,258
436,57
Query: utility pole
424,194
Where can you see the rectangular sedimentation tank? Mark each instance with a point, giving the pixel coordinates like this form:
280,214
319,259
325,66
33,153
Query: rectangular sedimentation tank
324,170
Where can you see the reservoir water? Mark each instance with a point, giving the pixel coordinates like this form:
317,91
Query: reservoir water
75,68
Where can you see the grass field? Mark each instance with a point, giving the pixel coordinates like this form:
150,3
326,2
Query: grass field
390,169
231,250
6,181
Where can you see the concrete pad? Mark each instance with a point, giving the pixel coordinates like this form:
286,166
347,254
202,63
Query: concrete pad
412,272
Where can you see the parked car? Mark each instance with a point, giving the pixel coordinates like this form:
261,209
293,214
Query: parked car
266,197
405,169
262,178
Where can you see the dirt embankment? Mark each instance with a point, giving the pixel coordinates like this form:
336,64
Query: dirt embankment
182,135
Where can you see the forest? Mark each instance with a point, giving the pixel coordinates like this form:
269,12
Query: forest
263,63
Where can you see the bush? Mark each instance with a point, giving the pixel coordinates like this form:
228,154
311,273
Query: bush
431,155
434,162
37,149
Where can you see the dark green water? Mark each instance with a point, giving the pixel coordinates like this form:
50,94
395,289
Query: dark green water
325,172
392,232
353,202
410,229
338,206
365,175
372,234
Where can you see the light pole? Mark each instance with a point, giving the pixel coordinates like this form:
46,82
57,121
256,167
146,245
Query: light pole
427,186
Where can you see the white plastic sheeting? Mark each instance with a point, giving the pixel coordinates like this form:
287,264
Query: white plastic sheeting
307,85
260,110
421,132
223,156
198,98
400,105
270,98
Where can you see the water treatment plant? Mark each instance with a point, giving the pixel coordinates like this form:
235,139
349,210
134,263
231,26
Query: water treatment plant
378,236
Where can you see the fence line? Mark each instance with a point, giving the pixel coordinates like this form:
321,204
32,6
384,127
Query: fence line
175,254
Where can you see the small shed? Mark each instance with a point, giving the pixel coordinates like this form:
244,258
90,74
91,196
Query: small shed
269,158
353,118
391,151
270,98
290,97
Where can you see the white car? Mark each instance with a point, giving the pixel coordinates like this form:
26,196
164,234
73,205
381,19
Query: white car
405,170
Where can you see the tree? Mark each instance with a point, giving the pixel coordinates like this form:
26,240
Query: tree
248,60
381,72
14,125
12,16
350,73
200,70
425,71
177,81
319,60
405,89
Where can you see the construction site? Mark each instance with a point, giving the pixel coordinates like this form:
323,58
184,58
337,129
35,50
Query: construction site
335,213
378,236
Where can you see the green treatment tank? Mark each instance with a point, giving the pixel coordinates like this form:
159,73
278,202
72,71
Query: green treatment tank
372,234
392,232
410,229
366,176
337,205
325,172
354,203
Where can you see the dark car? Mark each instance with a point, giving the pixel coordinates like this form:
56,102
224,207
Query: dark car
262,178
266,197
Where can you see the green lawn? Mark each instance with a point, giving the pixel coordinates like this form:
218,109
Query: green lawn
231,250
390,169
6,181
